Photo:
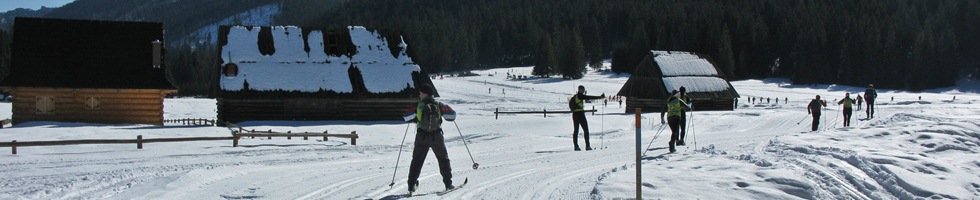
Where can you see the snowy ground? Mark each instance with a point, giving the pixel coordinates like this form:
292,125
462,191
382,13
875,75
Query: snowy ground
911,149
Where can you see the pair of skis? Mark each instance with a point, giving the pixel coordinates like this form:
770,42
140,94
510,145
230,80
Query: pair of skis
440,193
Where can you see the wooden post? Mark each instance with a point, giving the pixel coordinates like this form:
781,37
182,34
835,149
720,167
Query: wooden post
305,137
639,168
324,136
496,114
289,137
139,142
545,113
270,131
234,142
13,147
353,139
593,108
253,131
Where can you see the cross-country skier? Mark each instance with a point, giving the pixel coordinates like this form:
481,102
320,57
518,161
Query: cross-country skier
428,114
860,101
869,98
577,105
683,123
814,109
675,106
848,103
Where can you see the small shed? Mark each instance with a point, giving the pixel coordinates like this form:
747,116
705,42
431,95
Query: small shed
296,73
88,71
663,71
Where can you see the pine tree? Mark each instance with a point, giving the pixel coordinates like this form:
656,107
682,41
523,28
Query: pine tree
544,59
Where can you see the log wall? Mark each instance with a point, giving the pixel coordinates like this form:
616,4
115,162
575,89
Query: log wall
237,110
116,106
657,105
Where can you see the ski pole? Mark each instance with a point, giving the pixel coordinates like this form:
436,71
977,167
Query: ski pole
392,184
804,118
475,165
654,139
602,138
695,137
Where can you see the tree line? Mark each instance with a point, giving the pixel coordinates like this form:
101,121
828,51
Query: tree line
907,44
903,44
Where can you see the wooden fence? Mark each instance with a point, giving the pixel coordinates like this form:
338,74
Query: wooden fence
192,122
237,134
4,122
496,114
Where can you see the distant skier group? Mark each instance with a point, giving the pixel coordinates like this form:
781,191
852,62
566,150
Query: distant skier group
870,94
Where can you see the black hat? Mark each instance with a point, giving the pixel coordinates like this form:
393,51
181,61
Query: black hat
426,88
683,90
581,87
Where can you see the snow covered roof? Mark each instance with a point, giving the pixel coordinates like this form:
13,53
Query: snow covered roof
298,62
694,84
678,63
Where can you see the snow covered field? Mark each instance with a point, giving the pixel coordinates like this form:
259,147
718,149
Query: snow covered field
911,149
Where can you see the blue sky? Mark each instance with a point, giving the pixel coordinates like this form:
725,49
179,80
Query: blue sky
7,5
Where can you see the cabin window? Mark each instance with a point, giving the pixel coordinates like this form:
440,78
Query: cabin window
93,103
230,70
45,105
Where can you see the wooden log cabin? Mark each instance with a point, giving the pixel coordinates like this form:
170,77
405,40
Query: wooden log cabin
661,72
295,73
109,72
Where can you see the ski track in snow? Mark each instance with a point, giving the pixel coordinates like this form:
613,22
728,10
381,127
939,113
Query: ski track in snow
911,150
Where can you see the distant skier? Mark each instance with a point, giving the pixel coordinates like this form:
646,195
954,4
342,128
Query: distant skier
674,108
814,109
860,101
577,105
428,115
848,104
683,123
869,98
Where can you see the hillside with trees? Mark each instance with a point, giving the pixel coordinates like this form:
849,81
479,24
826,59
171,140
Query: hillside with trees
903,44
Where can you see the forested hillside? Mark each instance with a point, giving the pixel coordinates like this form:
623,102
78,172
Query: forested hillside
908,44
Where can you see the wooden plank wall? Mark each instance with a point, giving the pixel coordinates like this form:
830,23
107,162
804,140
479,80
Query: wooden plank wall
657,105
237,110
117,106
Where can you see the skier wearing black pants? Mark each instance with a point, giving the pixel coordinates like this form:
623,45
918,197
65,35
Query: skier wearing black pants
814,110
848,104
675,105
869,97
428,115
577,105
683,122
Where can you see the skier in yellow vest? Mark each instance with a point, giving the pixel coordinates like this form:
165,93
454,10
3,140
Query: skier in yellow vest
848,104
675,106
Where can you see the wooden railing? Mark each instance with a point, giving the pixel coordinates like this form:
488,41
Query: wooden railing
192,122
237,134
496,113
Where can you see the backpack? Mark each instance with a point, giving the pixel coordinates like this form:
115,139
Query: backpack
572,105
430,119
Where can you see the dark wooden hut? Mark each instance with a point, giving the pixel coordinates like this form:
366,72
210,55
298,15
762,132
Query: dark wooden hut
661,72
87,71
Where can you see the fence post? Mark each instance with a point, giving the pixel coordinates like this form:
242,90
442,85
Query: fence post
639,168
496,114
593,112
234,142
289,137
253,131
545,113
305,137
139,142
353,139
270,131
13,147
324,135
